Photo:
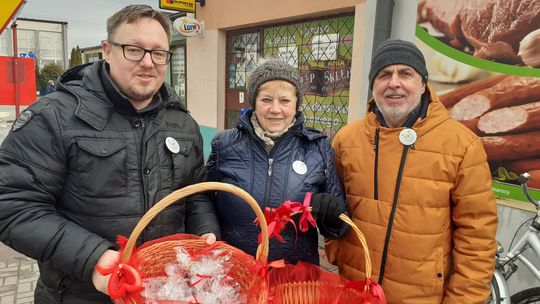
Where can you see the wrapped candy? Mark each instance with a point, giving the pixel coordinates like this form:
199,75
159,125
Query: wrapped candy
196,277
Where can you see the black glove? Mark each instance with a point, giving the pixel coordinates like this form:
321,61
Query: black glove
326,209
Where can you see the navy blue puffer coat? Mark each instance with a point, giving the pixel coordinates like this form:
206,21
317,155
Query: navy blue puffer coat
238,157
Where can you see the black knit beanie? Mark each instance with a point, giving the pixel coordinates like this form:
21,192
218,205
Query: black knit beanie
273,69
392,52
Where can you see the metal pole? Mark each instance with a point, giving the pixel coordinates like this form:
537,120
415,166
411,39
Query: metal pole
383,25
404,20
383,22
15,68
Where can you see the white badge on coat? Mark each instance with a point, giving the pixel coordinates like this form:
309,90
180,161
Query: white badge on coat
172,145
299,167
407,137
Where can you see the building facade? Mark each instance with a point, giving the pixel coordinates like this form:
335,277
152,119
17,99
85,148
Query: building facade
91,53
328,41
45,39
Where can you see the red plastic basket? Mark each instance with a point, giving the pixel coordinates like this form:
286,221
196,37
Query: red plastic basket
309,284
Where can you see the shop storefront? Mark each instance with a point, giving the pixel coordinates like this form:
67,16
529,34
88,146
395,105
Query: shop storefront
320,48
326,41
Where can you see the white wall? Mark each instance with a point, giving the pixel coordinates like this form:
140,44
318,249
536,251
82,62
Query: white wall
206,78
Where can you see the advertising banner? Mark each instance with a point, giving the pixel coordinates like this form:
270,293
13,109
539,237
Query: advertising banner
178,5
483,59
24,79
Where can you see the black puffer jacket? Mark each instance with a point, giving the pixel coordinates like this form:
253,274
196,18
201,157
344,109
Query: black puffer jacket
238,157
83,167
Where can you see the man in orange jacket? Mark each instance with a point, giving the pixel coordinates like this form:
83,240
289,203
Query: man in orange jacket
419,187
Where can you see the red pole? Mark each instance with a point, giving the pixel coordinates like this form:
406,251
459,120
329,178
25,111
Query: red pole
15,63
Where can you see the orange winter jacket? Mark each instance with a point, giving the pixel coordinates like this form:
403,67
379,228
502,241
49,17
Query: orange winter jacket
441,240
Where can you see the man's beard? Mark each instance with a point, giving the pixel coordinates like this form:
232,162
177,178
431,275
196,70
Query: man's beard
136,94
396,114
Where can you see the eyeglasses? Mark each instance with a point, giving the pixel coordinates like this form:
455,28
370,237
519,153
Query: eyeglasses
136,53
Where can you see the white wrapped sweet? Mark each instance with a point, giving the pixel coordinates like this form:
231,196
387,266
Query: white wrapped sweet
195,279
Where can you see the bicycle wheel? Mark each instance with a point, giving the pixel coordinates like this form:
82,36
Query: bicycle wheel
499,293
531,295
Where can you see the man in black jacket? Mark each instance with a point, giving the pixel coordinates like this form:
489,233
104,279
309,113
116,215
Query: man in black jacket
83,164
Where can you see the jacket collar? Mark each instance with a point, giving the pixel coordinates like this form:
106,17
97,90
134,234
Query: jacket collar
98,96
298,128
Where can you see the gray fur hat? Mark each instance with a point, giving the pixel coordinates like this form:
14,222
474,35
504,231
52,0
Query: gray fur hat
273,69
397,51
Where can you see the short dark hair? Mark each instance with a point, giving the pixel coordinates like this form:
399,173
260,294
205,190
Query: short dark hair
134,12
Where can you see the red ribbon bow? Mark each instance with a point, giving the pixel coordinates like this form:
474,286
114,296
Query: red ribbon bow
125,280
306,218
277,218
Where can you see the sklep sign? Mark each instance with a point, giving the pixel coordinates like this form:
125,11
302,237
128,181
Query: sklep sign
189,27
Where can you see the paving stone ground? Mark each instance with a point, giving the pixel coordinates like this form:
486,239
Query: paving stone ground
18,277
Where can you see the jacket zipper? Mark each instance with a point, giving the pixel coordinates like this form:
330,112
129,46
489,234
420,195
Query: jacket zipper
392,212
268,187
376,169
268,182
141,161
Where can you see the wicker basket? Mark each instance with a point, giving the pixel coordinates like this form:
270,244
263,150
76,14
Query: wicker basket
153,256
317,291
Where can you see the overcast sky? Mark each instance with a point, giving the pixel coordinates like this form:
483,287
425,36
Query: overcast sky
86,19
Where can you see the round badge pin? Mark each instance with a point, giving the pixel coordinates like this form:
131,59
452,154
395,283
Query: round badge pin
299,167
172,145
407,137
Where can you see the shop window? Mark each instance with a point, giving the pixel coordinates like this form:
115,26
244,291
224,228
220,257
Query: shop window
243,51
322,51
243,55
178,71
5,44
92,57
26,41
51,48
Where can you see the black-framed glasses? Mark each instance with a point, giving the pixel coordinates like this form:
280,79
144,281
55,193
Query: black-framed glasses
137,53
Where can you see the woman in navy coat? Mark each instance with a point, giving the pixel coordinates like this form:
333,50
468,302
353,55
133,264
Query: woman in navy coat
275,158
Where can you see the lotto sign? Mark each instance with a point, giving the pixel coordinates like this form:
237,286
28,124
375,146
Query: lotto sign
188,26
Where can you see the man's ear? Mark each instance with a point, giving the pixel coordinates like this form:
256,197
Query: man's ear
106,46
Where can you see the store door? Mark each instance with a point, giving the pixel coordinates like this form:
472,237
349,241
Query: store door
242,54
